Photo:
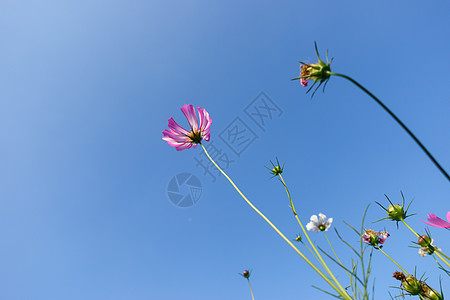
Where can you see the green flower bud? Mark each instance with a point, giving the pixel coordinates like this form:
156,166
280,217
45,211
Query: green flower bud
396,212
276,169
412,285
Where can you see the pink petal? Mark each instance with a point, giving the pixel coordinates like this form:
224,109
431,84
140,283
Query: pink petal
174,127
184,146
180,138
435,221
448,216
179,146
303,82
189,111
179,141
172,142
205,119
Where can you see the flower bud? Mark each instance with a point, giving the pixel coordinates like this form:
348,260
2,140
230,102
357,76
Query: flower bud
246,274
396,212
412,285
277,170
424,240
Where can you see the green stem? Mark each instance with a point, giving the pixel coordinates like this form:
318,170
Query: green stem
318,256
393,261
251,291
397,120
337,257
412,230
301,224
343,294
438,253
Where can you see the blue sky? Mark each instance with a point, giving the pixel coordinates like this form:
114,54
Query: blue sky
87,88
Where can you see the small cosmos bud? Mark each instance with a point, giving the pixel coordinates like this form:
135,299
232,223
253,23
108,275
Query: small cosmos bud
412,285
424,240
396,212
277,170
246,274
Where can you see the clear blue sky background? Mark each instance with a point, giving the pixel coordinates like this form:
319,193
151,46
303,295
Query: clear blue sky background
86,87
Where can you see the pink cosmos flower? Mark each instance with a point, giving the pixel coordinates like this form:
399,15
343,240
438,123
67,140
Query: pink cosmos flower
435,221
181,138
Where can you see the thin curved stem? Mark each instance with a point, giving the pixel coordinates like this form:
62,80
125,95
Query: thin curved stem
317,253
393,261
418,142
251,291
342,293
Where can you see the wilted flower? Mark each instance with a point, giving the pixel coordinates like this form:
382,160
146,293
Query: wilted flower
375,238
181,138
415,286
319,224
319,72
409,283
435,221
427,246
395,212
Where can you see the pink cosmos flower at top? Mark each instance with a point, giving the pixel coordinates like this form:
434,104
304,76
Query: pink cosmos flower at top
181,138
435,221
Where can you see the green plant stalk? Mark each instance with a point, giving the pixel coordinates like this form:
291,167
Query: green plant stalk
363,246
337,257
321,261
418,142
342,293
318,256
439,255
412,230
251,291
437,252
393,261
440,252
